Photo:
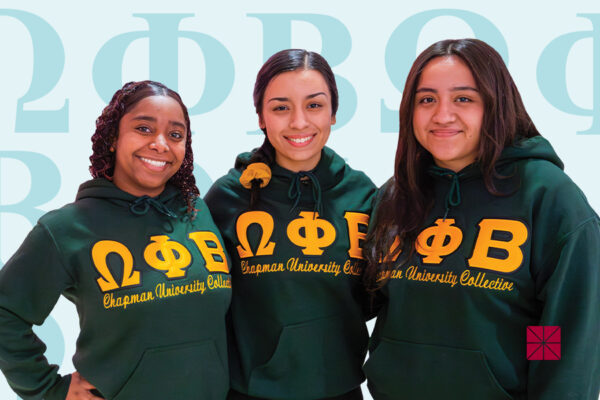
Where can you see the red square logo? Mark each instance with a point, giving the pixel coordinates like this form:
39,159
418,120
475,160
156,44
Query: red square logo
543,342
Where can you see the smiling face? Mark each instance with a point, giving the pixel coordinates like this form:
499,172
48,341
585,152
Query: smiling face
448,113
297,116
150,146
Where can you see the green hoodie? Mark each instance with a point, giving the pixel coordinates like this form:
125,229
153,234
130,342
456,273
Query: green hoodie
297,308
151,289
454,325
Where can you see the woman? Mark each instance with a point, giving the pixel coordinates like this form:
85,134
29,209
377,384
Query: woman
293,215
488,236
139,256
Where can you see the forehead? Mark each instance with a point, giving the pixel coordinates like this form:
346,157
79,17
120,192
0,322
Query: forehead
157,106
446,72
299,82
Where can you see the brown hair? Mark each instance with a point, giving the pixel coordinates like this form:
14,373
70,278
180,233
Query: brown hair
107,130
404,205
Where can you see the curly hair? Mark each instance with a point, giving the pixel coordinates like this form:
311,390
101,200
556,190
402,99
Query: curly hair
107,130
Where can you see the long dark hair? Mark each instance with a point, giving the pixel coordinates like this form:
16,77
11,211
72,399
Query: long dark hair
285,61
404,205
107,130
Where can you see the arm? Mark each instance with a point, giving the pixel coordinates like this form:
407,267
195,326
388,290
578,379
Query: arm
30,284
80,389
571,299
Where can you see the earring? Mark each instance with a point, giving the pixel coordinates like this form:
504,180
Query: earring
112,149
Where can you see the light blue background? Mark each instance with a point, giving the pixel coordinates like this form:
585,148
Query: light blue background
62,60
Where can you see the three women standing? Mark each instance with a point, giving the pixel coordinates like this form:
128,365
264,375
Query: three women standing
478,236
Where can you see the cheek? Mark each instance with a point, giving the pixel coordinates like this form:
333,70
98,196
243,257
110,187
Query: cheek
324,136
474,137
418,138
180,151
121,147
272,123
475,125
476,120
275,130
326,120
323,122
418,128
418,121
121,160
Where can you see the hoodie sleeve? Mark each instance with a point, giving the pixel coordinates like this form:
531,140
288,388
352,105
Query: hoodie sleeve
571,299
30,285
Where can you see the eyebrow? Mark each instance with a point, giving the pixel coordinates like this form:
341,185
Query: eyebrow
454,89
152,119
310,96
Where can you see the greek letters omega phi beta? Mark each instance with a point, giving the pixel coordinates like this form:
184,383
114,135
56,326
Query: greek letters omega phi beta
479,235
139,256
293,216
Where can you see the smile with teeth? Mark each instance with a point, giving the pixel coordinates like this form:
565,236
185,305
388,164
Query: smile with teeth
300,140
154,163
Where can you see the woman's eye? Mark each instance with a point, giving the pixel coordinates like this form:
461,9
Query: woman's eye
314,105
177,135
144,129
463,99
280,108
426,100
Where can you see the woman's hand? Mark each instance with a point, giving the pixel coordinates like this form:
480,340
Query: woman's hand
79,389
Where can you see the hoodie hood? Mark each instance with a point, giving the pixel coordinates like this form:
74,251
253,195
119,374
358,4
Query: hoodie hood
304,186
532,148
329,170
535,147
101,188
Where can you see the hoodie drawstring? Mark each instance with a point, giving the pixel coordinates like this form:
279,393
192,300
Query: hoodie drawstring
295,192
453,196
141,205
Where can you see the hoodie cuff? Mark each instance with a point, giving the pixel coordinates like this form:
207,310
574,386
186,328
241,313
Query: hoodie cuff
60,389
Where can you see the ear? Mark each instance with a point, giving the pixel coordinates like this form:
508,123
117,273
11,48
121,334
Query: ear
113,145
261,122
333,120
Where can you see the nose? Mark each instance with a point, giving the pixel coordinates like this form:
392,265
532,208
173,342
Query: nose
159,143
444,112
298,119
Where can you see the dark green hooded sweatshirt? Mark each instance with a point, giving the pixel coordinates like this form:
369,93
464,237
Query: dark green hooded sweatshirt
297,308
151,290
455,321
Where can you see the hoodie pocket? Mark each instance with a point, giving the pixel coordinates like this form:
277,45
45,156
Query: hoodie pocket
188,371
315,359
402,370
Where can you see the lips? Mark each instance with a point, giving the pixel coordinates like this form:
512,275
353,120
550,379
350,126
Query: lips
445,132
152,164
300,140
